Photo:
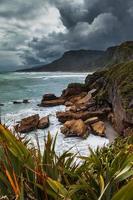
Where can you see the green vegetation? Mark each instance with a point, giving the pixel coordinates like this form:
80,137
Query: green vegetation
122,76
25,173
78,85
116,80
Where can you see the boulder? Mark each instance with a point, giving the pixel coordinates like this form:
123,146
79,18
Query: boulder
43,123
17,102
73,89
84,115
47,97
68,115
28,124
26,101
99,128
74,128
1,104
51,103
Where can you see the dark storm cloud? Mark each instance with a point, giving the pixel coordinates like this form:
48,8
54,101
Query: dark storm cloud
41,31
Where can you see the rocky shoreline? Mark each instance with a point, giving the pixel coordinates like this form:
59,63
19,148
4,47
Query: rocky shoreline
93,107
81,117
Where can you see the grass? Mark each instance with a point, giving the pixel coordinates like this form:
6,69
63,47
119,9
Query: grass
25,173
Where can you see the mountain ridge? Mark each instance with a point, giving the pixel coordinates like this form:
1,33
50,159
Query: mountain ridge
88,60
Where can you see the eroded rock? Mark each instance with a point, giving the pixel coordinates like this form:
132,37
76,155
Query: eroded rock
75,128
51,103
43,123
28,124
99,128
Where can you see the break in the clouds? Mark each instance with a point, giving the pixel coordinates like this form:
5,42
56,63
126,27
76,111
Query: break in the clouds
39,31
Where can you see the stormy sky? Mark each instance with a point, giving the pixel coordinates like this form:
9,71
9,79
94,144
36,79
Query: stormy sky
38,31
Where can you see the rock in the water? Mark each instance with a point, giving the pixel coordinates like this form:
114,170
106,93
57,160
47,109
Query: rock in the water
73,89
17,102
99,128
43,123
47,97
68,115
75,128
84,115
28,124
51,103
26,101
1,104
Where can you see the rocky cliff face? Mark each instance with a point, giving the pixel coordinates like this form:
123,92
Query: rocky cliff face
115,86
87,60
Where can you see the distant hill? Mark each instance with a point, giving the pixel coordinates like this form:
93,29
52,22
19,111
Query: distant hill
88,60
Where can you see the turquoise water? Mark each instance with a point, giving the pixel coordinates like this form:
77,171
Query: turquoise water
19,86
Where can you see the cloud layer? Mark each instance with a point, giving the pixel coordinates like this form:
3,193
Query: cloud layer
34,32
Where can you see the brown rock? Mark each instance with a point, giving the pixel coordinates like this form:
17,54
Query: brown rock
68,103
73,89
28,124
68,115
74,128
84,100
47,97
73,108
84,115
50,103
128,131
43,123
98,128
78,97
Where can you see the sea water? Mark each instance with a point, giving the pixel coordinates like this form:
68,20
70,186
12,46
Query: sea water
32,86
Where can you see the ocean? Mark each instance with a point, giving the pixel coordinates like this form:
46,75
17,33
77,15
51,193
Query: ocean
32,86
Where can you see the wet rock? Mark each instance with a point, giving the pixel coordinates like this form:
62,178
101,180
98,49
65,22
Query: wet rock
26,101
47,97
73,89
99,128
68,115
75,128
1,104
84,115
51,103
28,124
17,102
43,123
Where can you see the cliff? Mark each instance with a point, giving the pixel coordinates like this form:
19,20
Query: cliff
89,60
115,86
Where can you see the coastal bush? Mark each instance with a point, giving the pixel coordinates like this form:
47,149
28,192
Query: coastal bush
27,173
